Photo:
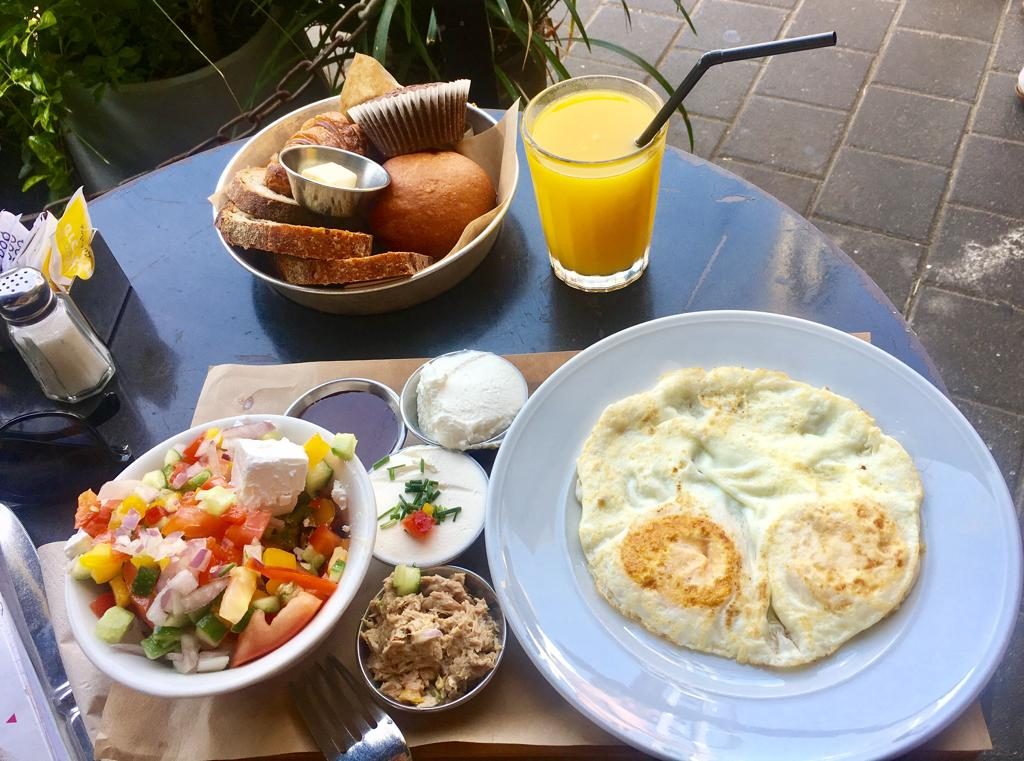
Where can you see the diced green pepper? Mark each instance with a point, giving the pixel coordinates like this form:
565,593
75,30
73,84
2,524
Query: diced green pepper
163,640
145,580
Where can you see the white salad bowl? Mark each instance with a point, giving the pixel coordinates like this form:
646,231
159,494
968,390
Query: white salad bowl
158,677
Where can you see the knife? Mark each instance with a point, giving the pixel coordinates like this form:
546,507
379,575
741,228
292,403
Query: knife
21,586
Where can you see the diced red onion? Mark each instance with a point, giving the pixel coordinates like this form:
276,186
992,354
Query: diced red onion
212,662
253,550
118,490
193,470
183,582
200,559
157,612
146,493
248,431
179,479
188,659
204,595
130,521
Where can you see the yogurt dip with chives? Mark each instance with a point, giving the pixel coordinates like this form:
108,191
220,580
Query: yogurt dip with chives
430,505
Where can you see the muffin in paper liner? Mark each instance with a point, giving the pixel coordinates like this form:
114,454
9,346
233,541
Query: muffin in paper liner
415,118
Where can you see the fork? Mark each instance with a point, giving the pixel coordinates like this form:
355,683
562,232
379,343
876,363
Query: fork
344,726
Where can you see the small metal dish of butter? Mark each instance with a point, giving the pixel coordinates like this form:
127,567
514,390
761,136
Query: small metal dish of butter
332,181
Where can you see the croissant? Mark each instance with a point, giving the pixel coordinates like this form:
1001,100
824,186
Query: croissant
331,129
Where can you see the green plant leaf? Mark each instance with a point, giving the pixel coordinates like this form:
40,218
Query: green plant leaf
432,28
46,20
33,180
512,88
653,72
505,11
571,5
380,39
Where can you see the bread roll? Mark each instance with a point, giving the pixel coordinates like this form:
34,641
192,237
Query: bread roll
431,199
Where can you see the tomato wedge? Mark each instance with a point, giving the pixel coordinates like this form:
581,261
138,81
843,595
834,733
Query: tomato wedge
92,517
259,637
194,523
304,580
323,540
250,530
102,604
189,454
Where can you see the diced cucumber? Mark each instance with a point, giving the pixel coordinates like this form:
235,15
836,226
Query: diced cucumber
197,480
163,640
114,624
269,604
211,630
406,579
197,615
172,456
317,478
243,622
168,471
314,558
344,445
156,479
217,500
79,571
175,622
145,580
336,565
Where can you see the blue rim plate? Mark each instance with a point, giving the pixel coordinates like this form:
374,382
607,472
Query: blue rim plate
884,692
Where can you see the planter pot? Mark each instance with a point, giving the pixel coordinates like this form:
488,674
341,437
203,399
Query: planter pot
137,126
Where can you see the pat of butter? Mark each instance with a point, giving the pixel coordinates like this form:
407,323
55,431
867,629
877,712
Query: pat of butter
331,174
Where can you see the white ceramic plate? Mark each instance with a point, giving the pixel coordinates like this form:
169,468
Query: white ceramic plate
158,677
884,692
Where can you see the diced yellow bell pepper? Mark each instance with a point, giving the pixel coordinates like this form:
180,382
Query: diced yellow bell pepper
142,560
102,563
279,558
214,433
132,502
238,595
428,509
316,449
163,563
120,590
273,585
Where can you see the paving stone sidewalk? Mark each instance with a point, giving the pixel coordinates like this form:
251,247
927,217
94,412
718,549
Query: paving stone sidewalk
905,144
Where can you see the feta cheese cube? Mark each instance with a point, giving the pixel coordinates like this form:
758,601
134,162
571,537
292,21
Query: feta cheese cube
269,474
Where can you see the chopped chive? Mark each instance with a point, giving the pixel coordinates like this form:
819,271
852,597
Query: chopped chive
382,461
392,470
423,466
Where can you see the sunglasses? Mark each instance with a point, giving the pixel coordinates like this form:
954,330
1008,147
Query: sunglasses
55,455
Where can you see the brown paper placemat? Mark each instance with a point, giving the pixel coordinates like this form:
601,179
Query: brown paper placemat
519,715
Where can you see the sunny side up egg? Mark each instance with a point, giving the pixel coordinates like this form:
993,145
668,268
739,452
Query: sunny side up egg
743,513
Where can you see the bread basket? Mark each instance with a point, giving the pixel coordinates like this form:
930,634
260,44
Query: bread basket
355,299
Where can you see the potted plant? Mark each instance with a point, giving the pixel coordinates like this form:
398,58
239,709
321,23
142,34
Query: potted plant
116,86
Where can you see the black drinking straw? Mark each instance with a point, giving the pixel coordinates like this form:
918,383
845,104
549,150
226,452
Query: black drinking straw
715,57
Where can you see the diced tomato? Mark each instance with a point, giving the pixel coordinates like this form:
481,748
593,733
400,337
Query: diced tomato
211,482
322,587
323,540
251,530
139,603
91,516
224,551
194,522
235,515
418,524
153,516
102,604
260,637
189,455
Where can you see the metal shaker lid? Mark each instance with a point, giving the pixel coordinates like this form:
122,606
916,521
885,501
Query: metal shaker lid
24,295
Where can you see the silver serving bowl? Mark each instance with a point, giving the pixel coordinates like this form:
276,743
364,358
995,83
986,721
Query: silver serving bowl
477,587
347,203
337,386
410,408
357,299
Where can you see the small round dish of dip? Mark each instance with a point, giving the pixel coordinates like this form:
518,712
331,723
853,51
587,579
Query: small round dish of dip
430,505
464,399
365,408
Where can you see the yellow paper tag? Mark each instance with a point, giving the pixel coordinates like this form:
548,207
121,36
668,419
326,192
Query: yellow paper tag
73,239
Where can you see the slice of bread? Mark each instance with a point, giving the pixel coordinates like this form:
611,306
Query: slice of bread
357,270
241,229
249,192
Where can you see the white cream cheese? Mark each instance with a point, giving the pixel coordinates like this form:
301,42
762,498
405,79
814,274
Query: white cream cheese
461,483
269,474
468,397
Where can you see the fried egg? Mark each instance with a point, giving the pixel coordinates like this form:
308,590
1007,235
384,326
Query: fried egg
746,514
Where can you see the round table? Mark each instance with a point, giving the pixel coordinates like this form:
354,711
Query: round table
718,243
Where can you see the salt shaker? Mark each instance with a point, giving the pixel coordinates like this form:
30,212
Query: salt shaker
60,347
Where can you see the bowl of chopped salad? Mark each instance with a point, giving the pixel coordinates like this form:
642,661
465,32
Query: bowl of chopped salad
221,555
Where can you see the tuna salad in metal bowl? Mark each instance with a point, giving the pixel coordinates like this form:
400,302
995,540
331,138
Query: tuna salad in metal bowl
431,639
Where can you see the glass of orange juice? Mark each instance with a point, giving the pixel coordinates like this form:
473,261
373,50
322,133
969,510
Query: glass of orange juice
596,190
